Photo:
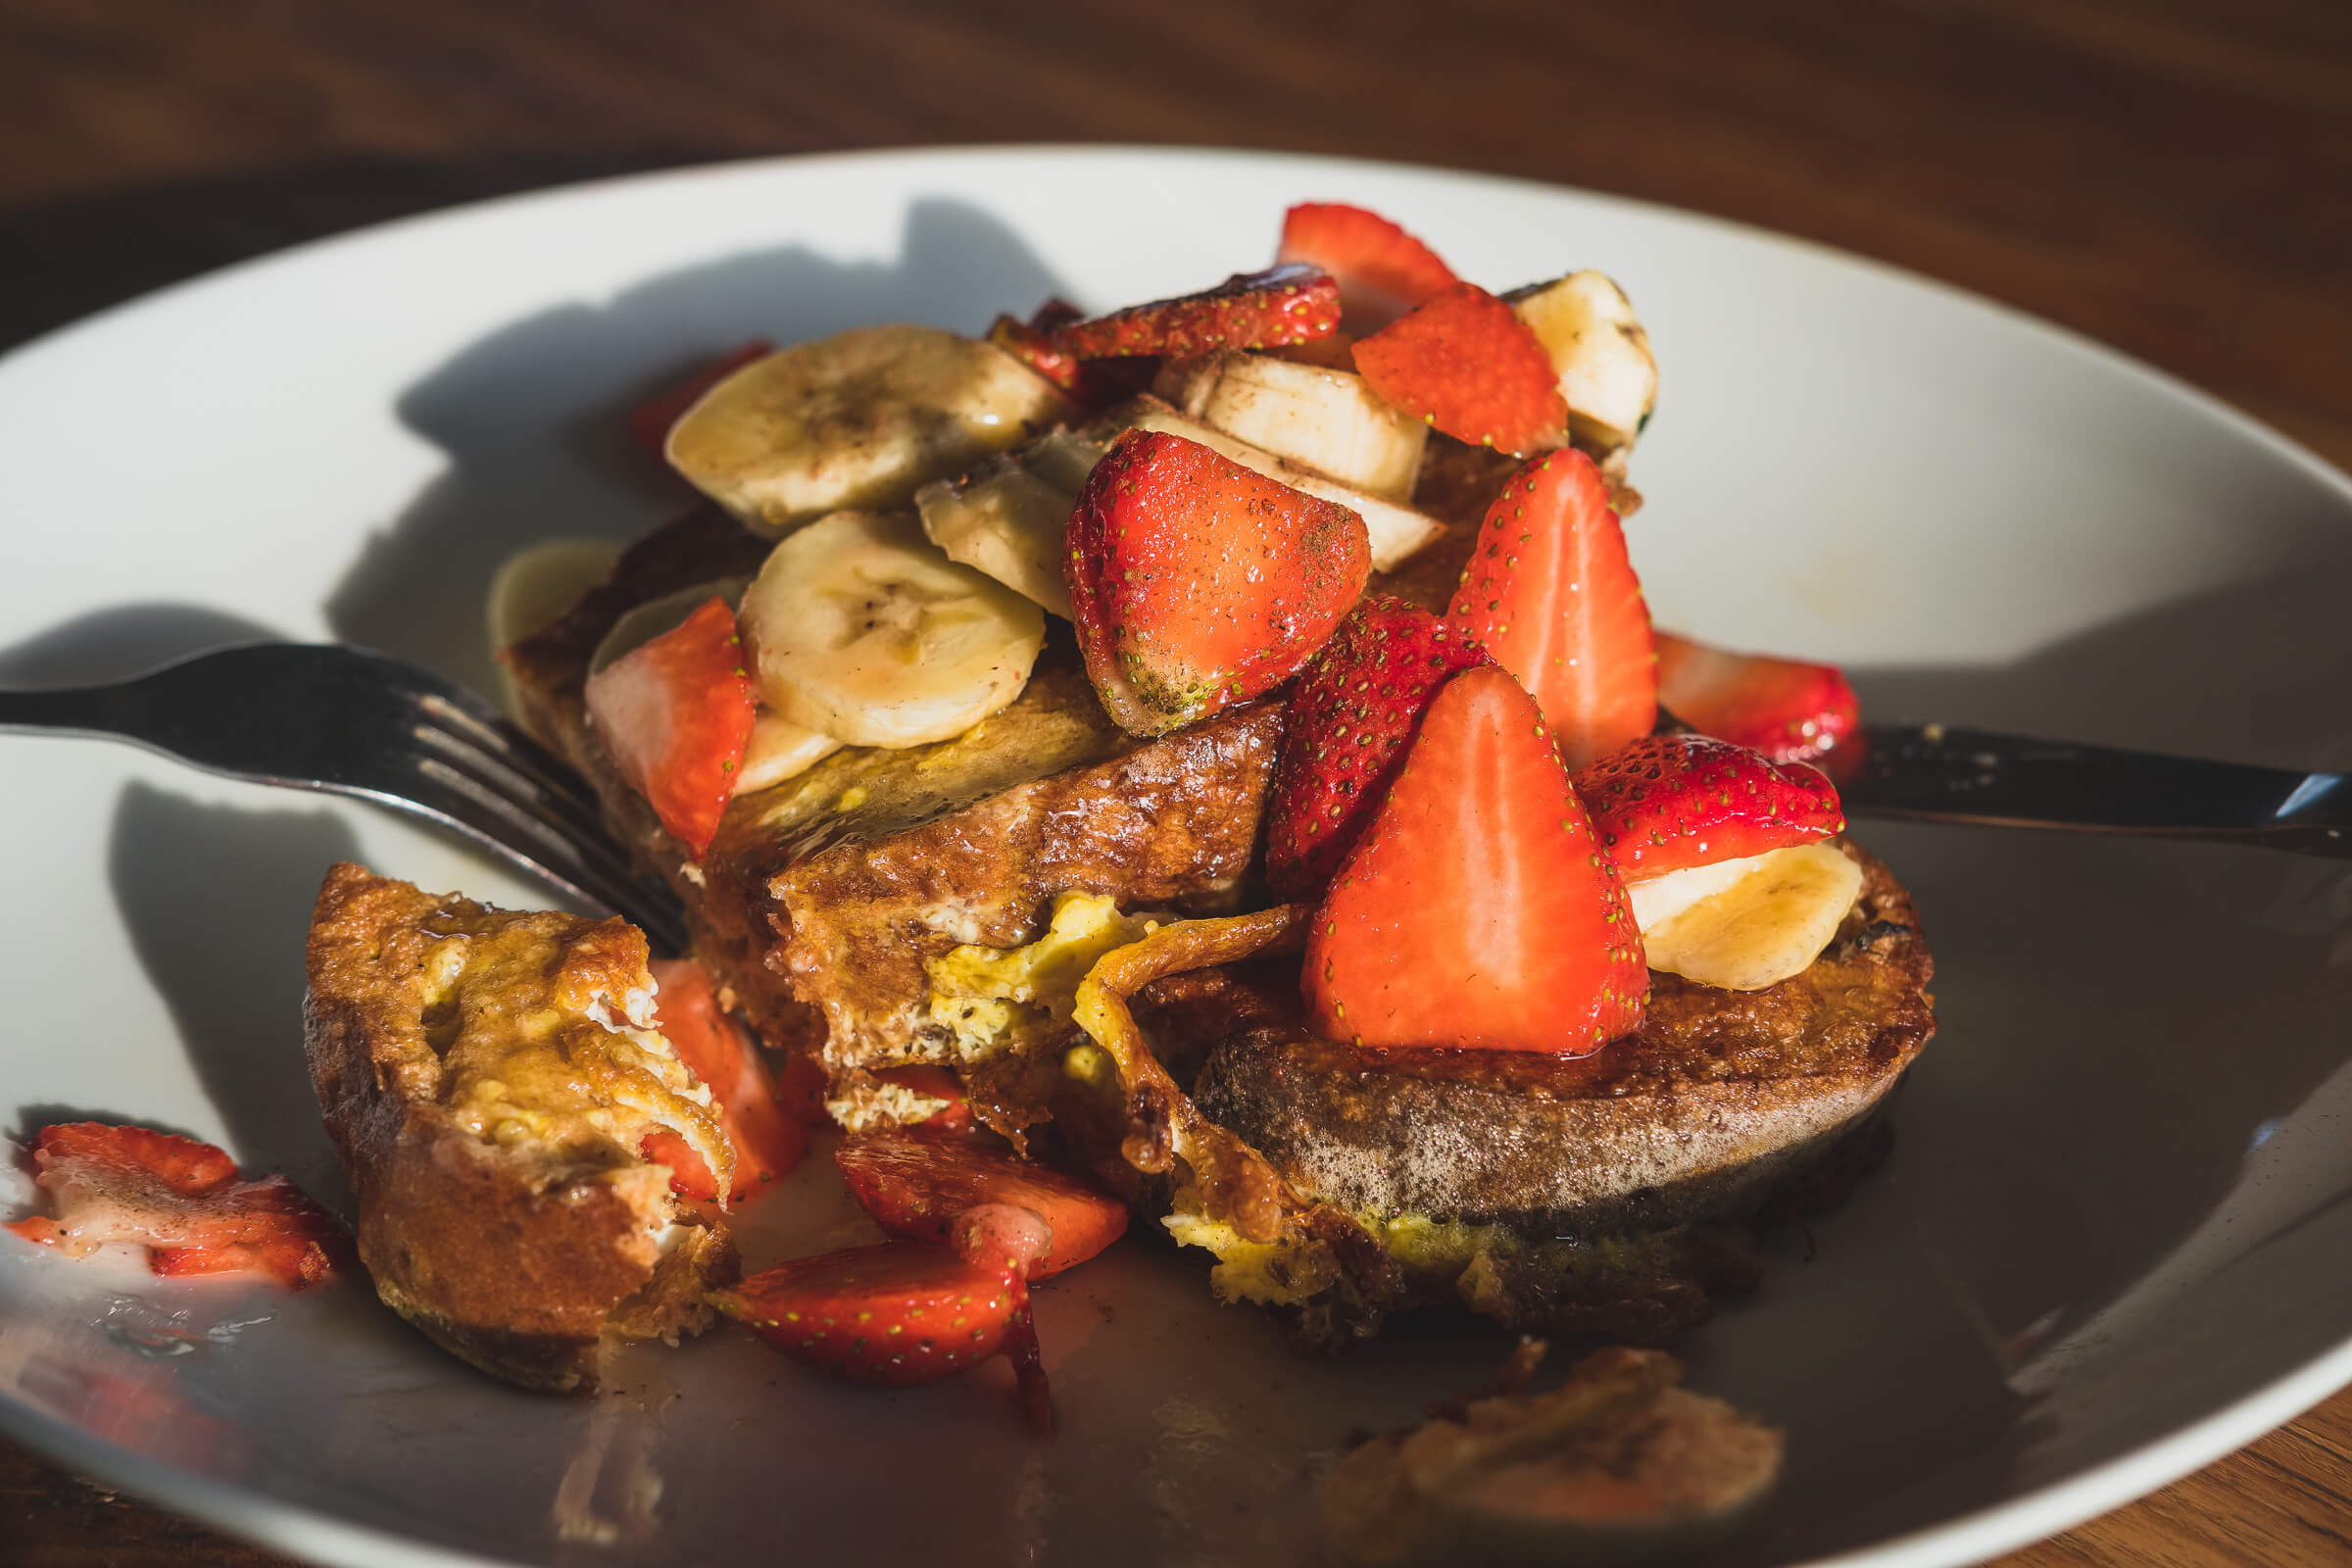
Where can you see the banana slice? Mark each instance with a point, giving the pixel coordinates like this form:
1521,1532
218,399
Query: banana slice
864,630
1396,532
533,586
1004,519
657,618
780,749
856,419
1325,420
1746,925
1607,375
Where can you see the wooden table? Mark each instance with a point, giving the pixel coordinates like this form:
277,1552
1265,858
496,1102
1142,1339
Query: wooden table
2169,176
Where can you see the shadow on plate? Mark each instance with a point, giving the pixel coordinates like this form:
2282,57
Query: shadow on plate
126,640
532,416
217,901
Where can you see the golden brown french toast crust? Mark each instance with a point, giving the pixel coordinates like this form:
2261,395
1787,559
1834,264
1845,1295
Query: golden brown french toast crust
1699,1116
513,1255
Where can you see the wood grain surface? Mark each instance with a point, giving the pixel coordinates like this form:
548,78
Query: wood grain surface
2172,176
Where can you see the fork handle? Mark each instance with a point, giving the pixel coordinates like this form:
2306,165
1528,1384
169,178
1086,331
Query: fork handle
1940,773
63,710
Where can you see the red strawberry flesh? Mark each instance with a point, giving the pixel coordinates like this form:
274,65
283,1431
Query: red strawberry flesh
675,716
1383,272
1668,803
179,1199
897,1313
1273,308
1465,363
1551,594
1790,711
919,1185
1351,714
769,1143
1197,585
1477,910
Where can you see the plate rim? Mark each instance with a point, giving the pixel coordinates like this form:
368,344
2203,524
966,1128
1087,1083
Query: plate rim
322,1537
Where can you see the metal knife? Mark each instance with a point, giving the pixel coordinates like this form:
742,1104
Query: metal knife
1943,773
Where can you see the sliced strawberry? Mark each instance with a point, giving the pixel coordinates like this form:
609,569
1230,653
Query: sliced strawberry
1477,910
769,1143
1248,311
895,1313
1552,595
1465,363
179,1199
1382,270
650,420
1351,714
1196,583
1668,803
934,1083
1036,350
919,1185
801,1084
675,716
1788,709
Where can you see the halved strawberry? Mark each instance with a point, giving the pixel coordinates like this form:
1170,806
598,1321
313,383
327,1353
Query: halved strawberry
1668,803
1196,583
1550,593
675,716
650,420
1036,350
1382,270
1351,714
895,1313
179,1199
1248,311
919,1185
1790,711
1478,911
1465,363
767,1142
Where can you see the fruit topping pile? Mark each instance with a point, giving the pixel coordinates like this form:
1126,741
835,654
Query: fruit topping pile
1494,816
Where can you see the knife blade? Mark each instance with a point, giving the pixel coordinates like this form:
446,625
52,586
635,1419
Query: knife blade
1946,774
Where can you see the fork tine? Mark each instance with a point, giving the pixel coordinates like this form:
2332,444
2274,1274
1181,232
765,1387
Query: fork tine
495,772
503,825
497,737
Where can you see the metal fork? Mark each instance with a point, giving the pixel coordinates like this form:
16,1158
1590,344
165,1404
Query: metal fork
325,716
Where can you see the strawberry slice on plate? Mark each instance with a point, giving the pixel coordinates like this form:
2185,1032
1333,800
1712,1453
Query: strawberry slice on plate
180,1199
1196,583
895,1314
1551,594
675,716
1351,714
1790,711
1382,270
650,420
1478,911
1466,363
920,1185
1668,803
1273,308
768,1142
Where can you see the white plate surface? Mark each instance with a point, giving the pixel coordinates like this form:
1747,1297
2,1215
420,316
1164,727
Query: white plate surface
2110,1245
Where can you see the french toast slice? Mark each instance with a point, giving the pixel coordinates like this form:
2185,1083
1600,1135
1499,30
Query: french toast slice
821,898
488,1078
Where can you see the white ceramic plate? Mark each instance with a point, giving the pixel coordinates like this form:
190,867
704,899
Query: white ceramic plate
2109,1247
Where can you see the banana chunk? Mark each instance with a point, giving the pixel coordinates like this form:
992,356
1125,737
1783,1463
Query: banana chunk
1325,420
1396,532
1007,518
532,587
780,749
864,630
1746,925
1607,374
858,419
